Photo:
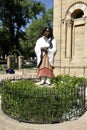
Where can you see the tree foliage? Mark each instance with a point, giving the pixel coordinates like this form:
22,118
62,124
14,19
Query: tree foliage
14,16
34,31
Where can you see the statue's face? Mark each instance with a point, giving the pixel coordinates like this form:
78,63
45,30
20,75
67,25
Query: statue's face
47,33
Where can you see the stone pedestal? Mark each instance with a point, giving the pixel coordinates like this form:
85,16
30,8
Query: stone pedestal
20,62
9,61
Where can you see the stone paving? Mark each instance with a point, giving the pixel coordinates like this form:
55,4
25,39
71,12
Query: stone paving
7,123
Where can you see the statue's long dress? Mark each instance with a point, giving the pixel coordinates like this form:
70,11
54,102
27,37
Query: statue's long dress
45,69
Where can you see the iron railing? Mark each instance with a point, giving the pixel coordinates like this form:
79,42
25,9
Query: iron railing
46,105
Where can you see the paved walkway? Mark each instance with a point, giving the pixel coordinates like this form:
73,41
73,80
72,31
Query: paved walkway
7,123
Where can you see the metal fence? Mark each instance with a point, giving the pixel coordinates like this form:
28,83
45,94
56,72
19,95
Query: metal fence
46,105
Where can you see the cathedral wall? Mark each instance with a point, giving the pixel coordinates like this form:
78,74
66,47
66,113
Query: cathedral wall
70,32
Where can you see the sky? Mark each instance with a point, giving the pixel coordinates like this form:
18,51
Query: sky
48,3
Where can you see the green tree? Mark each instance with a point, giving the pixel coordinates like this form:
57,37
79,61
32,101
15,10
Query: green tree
35,30
14,16
4,42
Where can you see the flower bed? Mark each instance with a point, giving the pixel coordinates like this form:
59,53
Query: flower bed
25,101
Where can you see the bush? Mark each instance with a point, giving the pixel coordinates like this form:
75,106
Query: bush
1,69
25,101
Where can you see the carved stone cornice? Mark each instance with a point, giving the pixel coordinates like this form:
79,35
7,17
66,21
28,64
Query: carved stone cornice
85,19
69,22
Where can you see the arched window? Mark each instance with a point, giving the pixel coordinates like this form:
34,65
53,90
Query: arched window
78,13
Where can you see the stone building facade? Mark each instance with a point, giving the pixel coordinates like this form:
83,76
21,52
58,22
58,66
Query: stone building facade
70,32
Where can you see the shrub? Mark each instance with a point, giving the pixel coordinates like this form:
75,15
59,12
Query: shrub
1,69
25,101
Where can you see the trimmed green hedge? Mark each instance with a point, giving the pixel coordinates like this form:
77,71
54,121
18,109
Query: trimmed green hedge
25,101
1,69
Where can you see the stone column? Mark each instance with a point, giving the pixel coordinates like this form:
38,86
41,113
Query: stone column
68,47
9,61
85,38
20,62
